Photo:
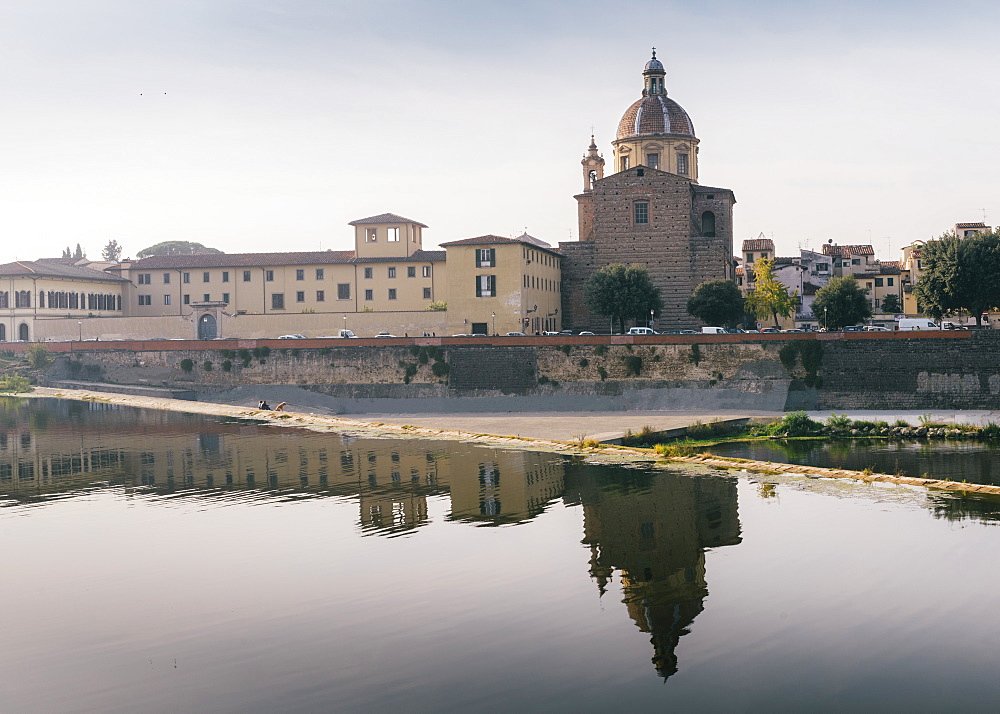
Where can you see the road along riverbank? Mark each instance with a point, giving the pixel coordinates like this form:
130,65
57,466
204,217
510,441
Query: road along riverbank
537,442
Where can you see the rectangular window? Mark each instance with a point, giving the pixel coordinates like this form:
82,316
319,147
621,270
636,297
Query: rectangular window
486,286
320,296
166,278
623,163
682,164
371,235
277,301
486,257
641,212
269,275
392,293
300,274
855,261
878,282
206,297
246,276
187,300
411,271
225,276
343,291
392,271
166,299
145,299
319,273
392,235
205,277
426,271
653,161
144,278
368,273
888,281
427,293
369,295
185,278
300,296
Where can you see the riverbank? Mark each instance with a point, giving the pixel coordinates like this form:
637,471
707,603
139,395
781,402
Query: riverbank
582,446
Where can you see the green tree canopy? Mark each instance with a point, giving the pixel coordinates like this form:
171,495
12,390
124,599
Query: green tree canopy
175,247
890,303
770,297
621,293
841,302
79,252
959,274
717,302
112,251
67,253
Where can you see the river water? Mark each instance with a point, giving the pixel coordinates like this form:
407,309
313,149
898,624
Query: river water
168,562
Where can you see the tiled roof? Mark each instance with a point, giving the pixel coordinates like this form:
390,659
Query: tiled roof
971,225
846,251
758,244
54,269
243,260
655,114
418,256
384,218
739,270
274,260
889,267
499,240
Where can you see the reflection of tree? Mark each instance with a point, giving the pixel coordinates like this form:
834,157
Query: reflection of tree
982,508
654,529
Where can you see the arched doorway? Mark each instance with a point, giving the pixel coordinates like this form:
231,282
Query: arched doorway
207,327
22,332
708,224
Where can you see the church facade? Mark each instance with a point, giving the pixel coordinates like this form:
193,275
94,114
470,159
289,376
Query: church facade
649,210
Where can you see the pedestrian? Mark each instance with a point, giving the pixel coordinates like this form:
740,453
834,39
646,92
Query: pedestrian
280,407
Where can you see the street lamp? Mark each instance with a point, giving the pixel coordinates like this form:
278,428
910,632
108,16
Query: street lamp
651,319
494,323
80,323
824,318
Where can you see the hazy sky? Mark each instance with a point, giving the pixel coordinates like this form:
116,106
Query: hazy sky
258,126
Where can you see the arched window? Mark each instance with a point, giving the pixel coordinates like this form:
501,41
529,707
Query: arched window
708,224
22,332
41,299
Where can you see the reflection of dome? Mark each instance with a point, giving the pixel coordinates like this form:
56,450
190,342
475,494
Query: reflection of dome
655,114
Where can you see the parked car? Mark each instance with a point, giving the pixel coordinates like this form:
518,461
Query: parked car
550,334
384,334
794,329
877,328
854,328
908,324
713,330
516,334
690,332
296,336
346,334
566,332
586,333
769,329
641,331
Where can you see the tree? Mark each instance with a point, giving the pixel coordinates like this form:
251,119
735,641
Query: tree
67,253
891,303
959,273
78,253
176,247
112,251
622,292
841,302
717,302
769,297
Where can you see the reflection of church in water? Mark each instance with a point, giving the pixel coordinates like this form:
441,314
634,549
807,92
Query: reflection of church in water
652,530
655,532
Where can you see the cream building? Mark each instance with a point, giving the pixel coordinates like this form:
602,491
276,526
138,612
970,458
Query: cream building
32,291
498,285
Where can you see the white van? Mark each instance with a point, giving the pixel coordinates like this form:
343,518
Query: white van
641,331
713,330
908,324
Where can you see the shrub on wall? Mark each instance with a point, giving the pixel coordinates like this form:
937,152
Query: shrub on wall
633,365
187,365
207,365
227,366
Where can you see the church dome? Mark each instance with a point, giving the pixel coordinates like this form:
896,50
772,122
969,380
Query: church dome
655,114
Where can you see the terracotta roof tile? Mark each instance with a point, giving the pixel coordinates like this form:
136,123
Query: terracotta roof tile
758,244
53,269
384,218
500,240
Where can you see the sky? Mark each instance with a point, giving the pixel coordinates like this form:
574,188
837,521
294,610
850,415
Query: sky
267,126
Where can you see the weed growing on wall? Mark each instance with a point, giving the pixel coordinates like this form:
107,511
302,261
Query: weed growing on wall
187,365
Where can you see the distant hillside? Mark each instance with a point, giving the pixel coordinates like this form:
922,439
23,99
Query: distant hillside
176,247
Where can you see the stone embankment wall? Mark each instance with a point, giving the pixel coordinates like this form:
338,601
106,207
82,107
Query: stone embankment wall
760,372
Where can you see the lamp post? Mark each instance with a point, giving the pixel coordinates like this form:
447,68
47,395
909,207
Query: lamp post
824,317
80,323
345,322
494,323
651,319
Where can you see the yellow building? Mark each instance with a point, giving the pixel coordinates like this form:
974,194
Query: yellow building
55,288
498,285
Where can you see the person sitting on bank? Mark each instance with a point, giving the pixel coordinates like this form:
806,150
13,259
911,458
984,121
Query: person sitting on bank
280,407
263,405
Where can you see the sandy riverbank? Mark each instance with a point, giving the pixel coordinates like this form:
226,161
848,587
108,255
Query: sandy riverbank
516,436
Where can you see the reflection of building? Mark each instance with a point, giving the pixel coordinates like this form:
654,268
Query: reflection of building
654,531
47,448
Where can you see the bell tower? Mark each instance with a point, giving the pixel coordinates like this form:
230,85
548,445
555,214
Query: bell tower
593,171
